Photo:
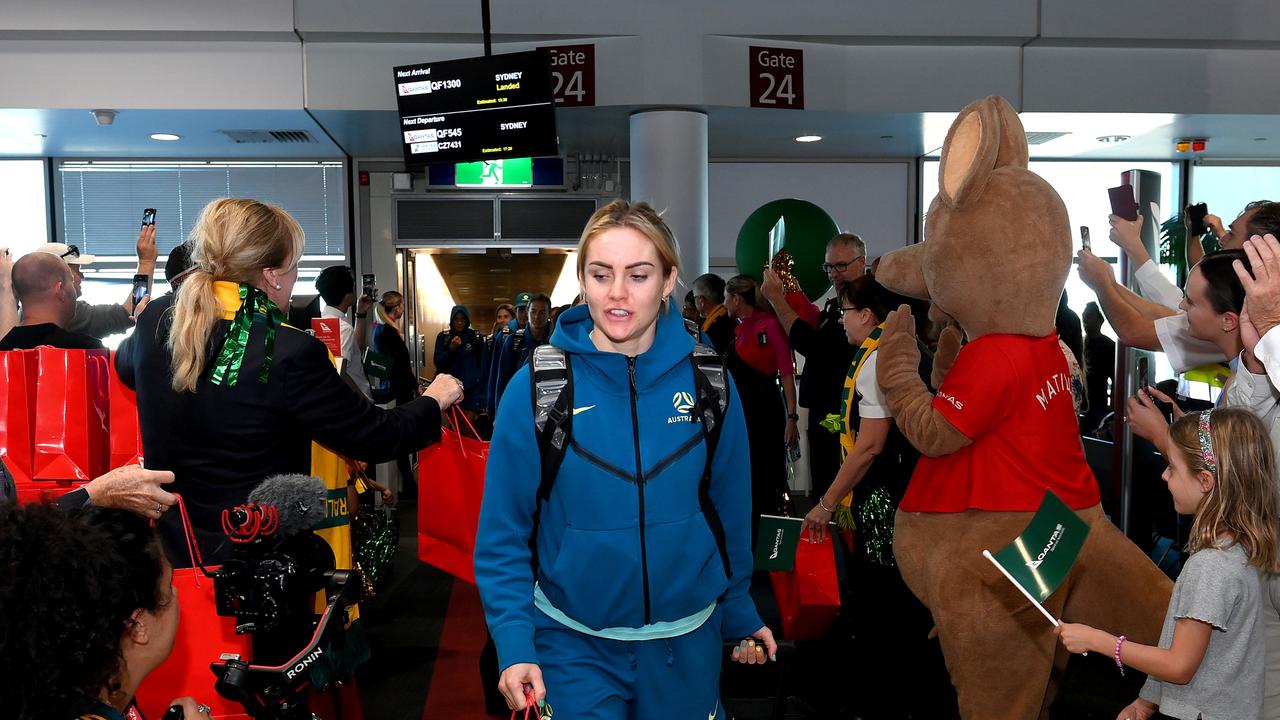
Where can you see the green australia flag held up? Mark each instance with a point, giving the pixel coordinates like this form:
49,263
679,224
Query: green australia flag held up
1038,560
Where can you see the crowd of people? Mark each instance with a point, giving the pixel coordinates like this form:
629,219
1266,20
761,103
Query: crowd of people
612,574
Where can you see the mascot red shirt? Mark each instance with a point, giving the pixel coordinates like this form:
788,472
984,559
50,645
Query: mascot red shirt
1010,395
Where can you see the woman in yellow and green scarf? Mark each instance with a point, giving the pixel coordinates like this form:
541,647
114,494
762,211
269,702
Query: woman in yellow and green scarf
888,621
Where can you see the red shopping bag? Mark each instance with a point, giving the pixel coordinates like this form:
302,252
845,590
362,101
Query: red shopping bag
808,596
18,412
203,636
450,487
126,438
71,439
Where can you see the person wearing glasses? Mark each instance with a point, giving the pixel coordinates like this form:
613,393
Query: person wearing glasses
708,298
99,321
819,336
888,621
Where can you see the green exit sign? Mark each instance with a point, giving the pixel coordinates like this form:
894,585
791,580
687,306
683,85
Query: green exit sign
511,172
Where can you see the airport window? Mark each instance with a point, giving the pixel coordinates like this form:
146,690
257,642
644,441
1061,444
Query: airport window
1228,188
24,213
102,202
1083,188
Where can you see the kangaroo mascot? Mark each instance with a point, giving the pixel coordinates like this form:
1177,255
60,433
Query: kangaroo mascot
1001,429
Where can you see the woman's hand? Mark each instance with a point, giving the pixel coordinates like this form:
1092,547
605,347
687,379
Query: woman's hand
757,649
191,710
1138,710
791,435
1078,638
1094,271
1146,420
1127,235
445,390
517,679
133,488
816,522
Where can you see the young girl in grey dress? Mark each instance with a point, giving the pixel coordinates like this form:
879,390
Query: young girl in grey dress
1209,663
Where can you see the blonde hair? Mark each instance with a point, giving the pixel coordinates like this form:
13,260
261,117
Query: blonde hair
233,239
1243,502
391,300
746,287
640,217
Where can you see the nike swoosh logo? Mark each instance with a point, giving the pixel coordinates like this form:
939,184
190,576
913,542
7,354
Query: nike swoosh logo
582,409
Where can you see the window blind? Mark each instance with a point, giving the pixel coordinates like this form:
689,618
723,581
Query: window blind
102,202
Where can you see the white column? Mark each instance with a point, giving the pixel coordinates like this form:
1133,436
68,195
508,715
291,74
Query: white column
669,171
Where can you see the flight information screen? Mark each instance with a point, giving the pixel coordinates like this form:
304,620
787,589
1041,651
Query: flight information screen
482,108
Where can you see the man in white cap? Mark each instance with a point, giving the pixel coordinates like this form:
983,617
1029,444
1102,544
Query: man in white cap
102,320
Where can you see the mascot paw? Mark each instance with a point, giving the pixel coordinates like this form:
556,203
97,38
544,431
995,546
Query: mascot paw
899,321
899,353
949,343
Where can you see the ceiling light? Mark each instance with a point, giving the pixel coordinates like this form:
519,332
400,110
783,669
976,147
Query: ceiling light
809,138
104,117
165,136
1112,138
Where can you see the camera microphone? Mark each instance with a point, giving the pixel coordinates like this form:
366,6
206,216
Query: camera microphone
299,500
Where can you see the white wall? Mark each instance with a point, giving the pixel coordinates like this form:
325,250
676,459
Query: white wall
872,199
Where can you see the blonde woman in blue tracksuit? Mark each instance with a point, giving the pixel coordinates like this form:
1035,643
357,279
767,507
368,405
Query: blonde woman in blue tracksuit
638,580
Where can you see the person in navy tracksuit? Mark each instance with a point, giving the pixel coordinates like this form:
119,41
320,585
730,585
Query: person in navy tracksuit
638,583
460,353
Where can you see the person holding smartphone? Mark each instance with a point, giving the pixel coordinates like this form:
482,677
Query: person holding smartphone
99,321
1153,324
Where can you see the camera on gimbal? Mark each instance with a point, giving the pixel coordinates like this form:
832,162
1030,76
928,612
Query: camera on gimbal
269,586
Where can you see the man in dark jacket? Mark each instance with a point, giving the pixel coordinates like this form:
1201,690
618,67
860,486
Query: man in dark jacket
459,353
708,296
819,336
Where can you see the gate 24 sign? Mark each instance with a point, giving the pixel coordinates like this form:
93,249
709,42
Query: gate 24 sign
777,77
573,74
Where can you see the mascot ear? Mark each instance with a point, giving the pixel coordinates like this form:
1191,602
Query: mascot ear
1013,138
969,153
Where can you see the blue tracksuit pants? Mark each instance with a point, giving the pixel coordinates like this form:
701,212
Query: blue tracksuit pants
591,678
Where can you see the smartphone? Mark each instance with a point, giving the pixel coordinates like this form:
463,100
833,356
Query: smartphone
1084,238
140,284
370,286
148,217
1122,202
1196,213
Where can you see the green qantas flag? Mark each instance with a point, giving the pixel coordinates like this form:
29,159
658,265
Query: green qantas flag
1039,559
776,542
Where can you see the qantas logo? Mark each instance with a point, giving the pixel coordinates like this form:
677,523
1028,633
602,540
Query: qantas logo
1048,548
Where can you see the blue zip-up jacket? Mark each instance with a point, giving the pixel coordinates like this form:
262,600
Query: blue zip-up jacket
616,547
